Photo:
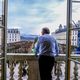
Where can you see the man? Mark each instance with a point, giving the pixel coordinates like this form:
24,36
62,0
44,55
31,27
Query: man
47,47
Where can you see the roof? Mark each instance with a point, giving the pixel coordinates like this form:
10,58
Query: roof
20,47
13,31
61,30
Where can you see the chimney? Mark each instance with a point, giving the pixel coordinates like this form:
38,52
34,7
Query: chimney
60,27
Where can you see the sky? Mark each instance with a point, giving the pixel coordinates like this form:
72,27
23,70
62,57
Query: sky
30,16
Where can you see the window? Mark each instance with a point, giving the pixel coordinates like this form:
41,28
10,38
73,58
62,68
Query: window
9,35
32,15
8,31
15,35
73,38
10,40
12,35
15,40
75,32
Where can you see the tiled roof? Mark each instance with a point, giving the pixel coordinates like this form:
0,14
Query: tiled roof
61,30
13,31
20,47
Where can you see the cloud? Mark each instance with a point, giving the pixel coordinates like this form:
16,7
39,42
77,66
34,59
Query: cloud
31,15
1,0
0,7
76,12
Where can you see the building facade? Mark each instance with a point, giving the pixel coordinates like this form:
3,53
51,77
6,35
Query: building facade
78,48
13,35
60,35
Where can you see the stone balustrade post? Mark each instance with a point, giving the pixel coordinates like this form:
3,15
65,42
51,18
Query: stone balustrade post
11,69
59,72
75,72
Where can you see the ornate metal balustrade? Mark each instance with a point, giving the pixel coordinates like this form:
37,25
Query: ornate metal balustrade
29,61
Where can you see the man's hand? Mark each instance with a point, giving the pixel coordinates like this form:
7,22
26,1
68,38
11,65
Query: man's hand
56,55
36,55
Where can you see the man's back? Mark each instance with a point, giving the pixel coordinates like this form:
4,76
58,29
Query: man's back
47,45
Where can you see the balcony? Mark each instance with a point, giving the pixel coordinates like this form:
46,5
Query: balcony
16,62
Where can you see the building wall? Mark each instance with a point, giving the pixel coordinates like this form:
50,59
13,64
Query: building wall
13,35
60,36
78,38
74,37
78,23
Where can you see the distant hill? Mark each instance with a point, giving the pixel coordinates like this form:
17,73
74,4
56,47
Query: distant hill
25,37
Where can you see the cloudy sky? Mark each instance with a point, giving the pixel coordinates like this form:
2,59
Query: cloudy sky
31,15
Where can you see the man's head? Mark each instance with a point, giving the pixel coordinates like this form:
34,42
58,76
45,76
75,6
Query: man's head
45,30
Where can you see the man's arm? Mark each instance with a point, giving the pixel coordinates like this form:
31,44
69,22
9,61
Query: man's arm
37,48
